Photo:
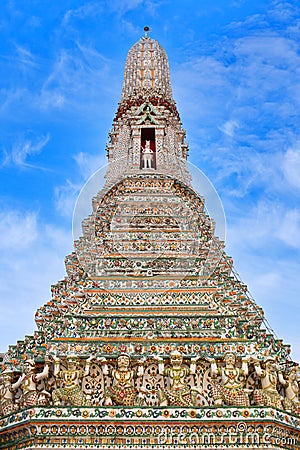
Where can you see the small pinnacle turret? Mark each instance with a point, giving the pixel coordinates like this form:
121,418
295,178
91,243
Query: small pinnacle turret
147,132
147,70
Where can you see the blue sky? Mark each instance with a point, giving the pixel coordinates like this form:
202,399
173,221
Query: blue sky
236,79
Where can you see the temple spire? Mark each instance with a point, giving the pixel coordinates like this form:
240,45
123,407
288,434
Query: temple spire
147,134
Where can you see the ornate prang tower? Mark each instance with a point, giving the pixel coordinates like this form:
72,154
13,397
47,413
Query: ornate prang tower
150,341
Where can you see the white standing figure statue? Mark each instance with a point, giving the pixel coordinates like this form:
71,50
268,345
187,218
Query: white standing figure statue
28,382
6,394
70,392
230,391
270,376
123,390
147,156
291,401
179,393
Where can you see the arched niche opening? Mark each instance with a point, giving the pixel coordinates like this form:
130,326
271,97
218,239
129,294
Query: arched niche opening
148,149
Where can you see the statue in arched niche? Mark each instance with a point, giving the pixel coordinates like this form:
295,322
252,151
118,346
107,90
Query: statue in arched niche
179,393
147,156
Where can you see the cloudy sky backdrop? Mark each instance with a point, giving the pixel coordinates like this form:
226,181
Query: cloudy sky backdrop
235,70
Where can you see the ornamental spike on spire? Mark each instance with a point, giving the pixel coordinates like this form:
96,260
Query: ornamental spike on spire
146,30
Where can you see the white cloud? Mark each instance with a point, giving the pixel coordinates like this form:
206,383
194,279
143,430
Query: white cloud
88,164
121,6
74,199
9,97
265,246
22,59
61,81
289,228
230,127
76,75
65,198
91,9
194,82
283,11
273,283
22,149
251,78
51,99
273,50
31,259
264,224
25,57
291,166
18,230
129,27
248,89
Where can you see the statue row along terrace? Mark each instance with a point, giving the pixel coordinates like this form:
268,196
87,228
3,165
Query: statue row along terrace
176,381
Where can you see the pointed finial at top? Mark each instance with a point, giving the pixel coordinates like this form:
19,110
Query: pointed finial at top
146,29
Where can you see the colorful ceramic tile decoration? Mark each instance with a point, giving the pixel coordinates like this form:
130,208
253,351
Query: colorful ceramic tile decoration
150,341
